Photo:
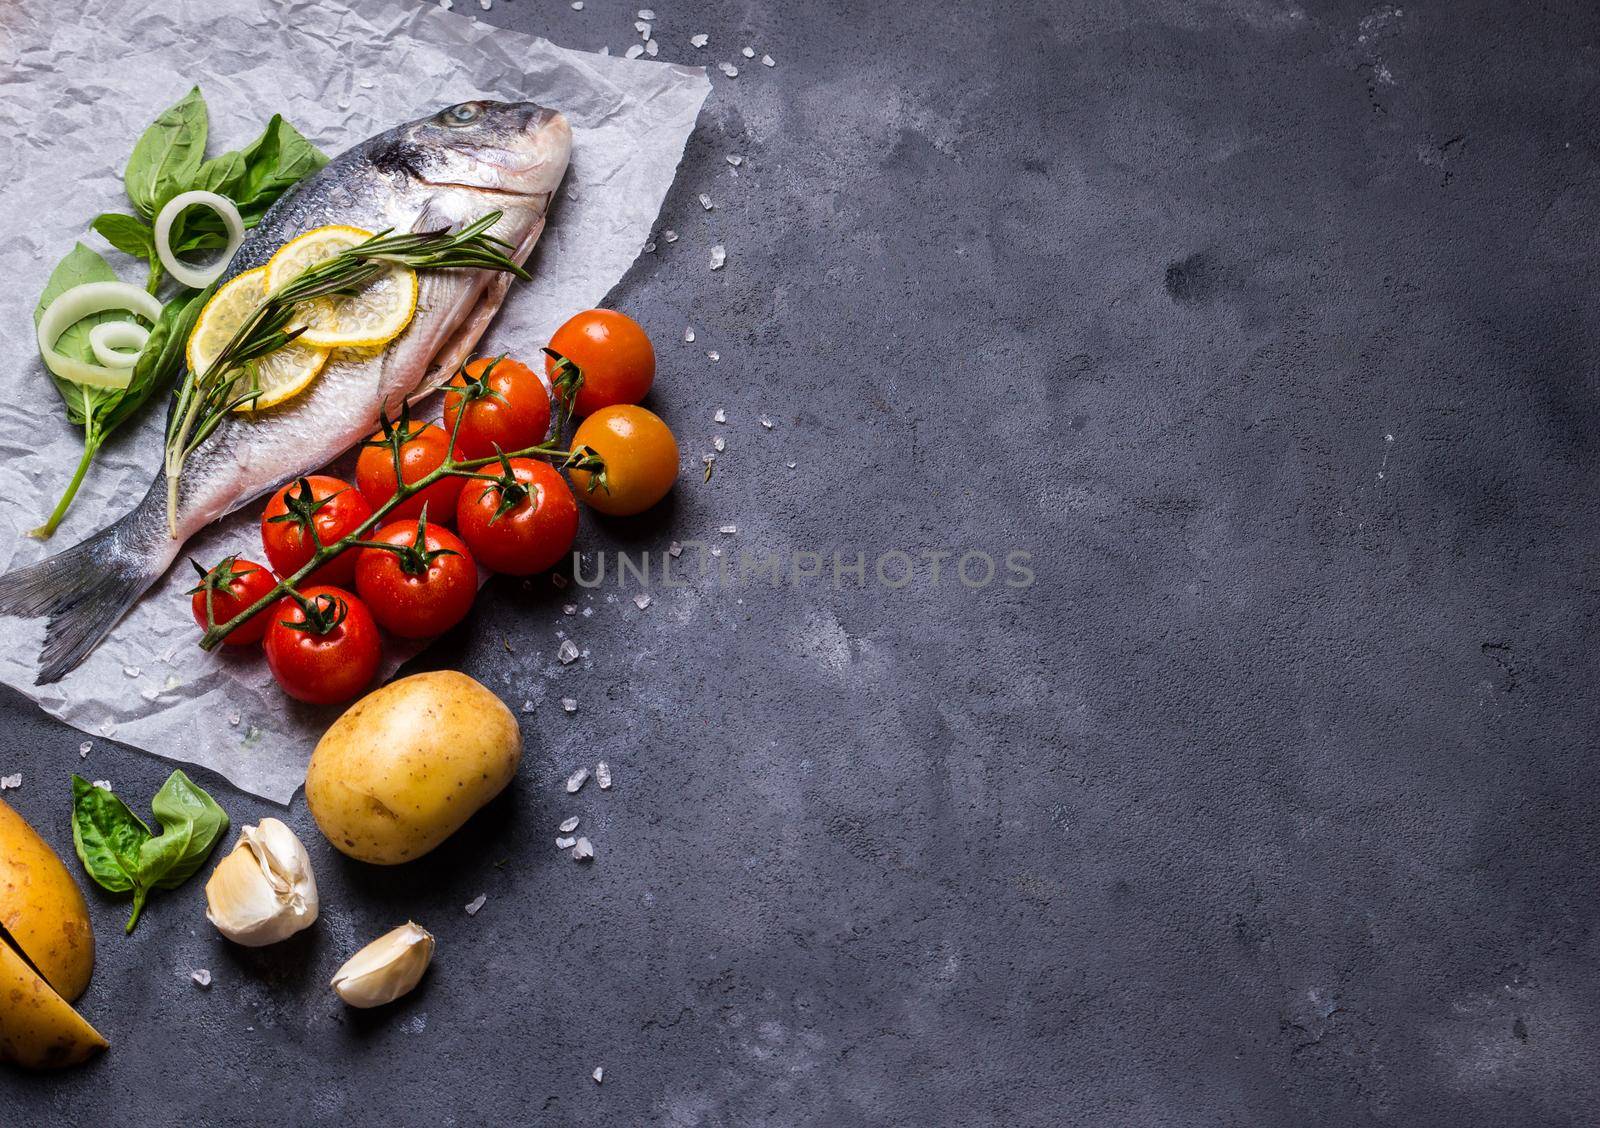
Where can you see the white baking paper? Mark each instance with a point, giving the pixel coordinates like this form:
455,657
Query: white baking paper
78,84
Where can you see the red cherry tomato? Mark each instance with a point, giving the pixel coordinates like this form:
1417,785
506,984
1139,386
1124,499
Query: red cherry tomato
506,407
612,352
233,586
531,534
425,588
334,508
640,455
423,451
329,656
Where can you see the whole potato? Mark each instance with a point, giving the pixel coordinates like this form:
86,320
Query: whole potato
409,763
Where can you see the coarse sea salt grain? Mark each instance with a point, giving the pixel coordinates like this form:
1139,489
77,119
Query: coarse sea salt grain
720,416
720,443
103,784
647,14
705,202
652,48
719,255
83,750
583,850
728,69
634,52
11,782
641,601
599,1074
669,236
734,159
475,904
748,52
676,550
201,977
577,5
642,28
713,354
569,825
766,61
729,530
567,652
563,842
602,775
485,4
576,780
570,704
699,40
688,334
767,423
791,465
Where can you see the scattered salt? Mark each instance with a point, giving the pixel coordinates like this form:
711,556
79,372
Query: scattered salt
570,609
577,779
652,48
11,782
570,704
646,14
728,69
642,28
527,706
569,825
485,4
699,40
676,550
567,653
641,601
791,465
103,784
767,423
602,775
201,977
766,61
634,52
720,416
720,443
130,671
598,1074
577,5
447,4
83,750
705,202
688,333
475,904
719,255
583,850
564,843
734,159
729,530
748,52
669,236
558,580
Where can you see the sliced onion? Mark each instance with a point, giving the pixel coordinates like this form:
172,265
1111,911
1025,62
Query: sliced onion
71,307
198,277
117,344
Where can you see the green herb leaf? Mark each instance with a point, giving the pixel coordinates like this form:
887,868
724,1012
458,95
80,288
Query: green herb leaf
181,804
271,164
107,835
80,266
168,155
129,235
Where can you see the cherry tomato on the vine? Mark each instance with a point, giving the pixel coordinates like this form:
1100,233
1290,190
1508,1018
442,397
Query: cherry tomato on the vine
424,448
334,508
521,530
507,406
423,585
327,656
613,354
641,460
232,586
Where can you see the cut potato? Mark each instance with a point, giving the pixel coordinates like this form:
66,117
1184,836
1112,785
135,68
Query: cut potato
409,763
38,1028
41,907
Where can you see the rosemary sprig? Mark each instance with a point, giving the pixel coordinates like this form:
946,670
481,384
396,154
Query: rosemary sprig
205,399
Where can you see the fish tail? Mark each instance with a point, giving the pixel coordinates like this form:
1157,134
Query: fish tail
85,590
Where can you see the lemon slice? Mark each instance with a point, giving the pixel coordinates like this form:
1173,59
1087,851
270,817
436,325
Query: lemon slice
375,315
283,373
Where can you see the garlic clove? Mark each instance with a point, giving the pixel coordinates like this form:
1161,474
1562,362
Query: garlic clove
386,968
263,891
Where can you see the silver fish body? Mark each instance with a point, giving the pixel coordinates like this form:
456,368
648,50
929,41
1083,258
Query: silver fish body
437,172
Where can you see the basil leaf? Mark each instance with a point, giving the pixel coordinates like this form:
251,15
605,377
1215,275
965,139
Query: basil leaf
107,835
168,155
129,235
159,363
81,265
181,804
271,164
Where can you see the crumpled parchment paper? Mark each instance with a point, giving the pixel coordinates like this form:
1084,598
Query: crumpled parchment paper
78,88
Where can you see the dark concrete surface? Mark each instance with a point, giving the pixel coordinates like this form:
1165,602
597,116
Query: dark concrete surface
1269,331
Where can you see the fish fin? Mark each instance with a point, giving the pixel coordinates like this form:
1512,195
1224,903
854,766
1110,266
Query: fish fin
85,590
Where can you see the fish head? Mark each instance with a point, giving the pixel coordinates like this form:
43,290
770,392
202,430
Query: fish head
507,148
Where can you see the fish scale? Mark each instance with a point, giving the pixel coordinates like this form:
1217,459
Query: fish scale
441,171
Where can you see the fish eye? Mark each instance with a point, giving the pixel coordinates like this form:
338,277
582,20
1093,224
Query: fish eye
464,114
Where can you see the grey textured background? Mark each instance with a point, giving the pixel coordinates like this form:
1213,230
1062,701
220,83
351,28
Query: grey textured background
1268,331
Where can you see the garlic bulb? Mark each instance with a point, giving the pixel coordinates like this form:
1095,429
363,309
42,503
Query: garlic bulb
263,892
386,968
